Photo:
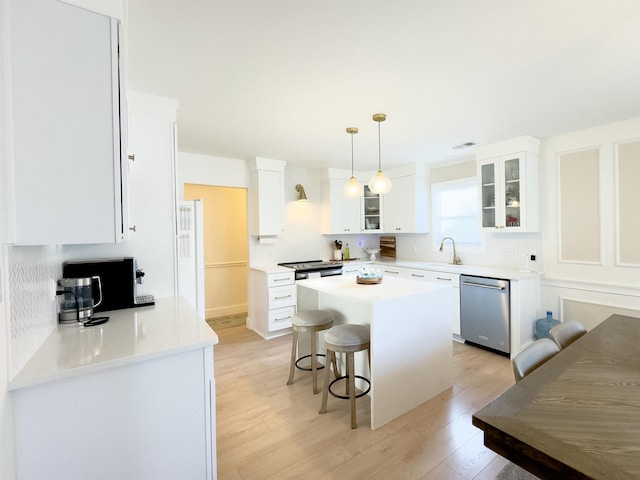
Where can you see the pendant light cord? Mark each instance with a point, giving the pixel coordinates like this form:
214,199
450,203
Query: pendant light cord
379,149
352,154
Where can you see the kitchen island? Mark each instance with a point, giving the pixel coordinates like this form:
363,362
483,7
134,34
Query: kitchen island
411,345
132,398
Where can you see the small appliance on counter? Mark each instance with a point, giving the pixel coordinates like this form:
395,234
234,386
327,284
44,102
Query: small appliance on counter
79,298
119,279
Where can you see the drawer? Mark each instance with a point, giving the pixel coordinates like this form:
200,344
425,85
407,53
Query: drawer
392,271
281,318
351,269
280,278
452,279
282,296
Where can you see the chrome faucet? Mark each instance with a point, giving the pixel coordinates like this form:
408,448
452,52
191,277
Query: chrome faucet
456,260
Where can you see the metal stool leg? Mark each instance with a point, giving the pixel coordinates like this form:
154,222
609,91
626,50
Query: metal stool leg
352,387
314,366
325,391
294,351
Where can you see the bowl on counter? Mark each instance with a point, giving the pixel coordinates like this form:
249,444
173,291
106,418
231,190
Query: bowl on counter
372,253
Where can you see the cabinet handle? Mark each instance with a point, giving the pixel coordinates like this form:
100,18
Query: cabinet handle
280,298
416,275
442,278
281,319
133,229
132,157
391,271
281,279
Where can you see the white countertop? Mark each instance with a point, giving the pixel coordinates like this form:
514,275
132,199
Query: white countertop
482,271
390,288
130,336
272,269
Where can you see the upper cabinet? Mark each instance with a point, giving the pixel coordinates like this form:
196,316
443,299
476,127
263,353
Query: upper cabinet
371,211
402,210
406,205
508,173
340,214
67,122
266,197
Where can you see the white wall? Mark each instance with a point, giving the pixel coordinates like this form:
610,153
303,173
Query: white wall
208,170
586,292
301,239
602,137
499,250
110,8
6,407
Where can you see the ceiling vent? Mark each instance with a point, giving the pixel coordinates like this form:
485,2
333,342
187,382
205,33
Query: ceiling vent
464,146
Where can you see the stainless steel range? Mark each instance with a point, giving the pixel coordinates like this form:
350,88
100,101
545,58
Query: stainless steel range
314,268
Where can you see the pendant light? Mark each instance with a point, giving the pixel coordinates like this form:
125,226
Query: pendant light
352,188
380,183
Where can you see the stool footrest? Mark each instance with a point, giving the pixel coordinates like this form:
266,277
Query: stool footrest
309,369
346,397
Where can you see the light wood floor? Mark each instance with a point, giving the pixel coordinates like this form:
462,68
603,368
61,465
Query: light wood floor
268,430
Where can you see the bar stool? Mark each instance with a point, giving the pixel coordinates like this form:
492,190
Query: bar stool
347,339
310,321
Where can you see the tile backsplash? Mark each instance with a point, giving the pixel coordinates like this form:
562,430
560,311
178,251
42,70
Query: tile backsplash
32,274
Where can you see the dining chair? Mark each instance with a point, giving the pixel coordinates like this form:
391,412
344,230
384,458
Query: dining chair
534,355
565,333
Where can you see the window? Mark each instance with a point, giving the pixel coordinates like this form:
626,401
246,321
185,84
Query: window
455,213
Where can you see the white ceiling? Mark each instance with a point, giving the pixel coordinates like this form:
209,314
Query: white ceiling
283,78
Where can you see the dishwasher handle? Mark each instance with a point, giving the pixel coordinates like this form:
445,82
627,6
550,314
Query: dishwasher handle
480,285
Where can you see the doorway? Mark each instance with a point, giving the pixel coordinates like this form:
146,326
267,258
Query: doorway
226,252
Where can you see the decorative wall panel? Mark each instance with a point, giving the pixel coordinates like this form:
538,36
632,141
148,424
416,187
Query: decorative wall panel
590,314
579,182
628,203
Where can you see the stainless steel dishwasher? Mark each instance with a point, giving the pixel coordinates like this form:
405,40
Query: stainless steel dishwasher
484,312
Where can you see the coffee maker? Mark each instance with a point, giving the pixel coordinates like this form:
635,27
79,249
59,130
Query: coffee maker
80,296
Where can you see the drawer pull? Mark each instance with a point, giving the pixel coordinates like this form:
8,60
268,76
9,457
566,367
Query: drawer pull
283,296
281,279
281,319
442,278
416,275
391,271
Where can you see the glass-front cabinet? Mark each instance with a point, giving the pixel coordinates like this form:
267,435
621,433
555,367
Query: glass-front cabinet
503,191
372,211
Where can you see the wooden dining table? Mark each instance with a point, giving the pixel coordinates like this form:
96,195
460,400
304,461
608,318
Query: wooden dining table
578,415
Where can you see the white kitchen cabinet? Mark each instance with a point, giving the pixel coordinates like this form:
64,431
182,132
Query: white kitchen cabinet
153,417
340,214
371,211
391,270
272,300
444,278
406,206
66,112
509,189
152,210
266,197
351,268
131,399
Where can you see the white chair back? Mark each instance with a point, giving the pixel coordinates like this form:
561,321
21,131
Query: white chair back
534,355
